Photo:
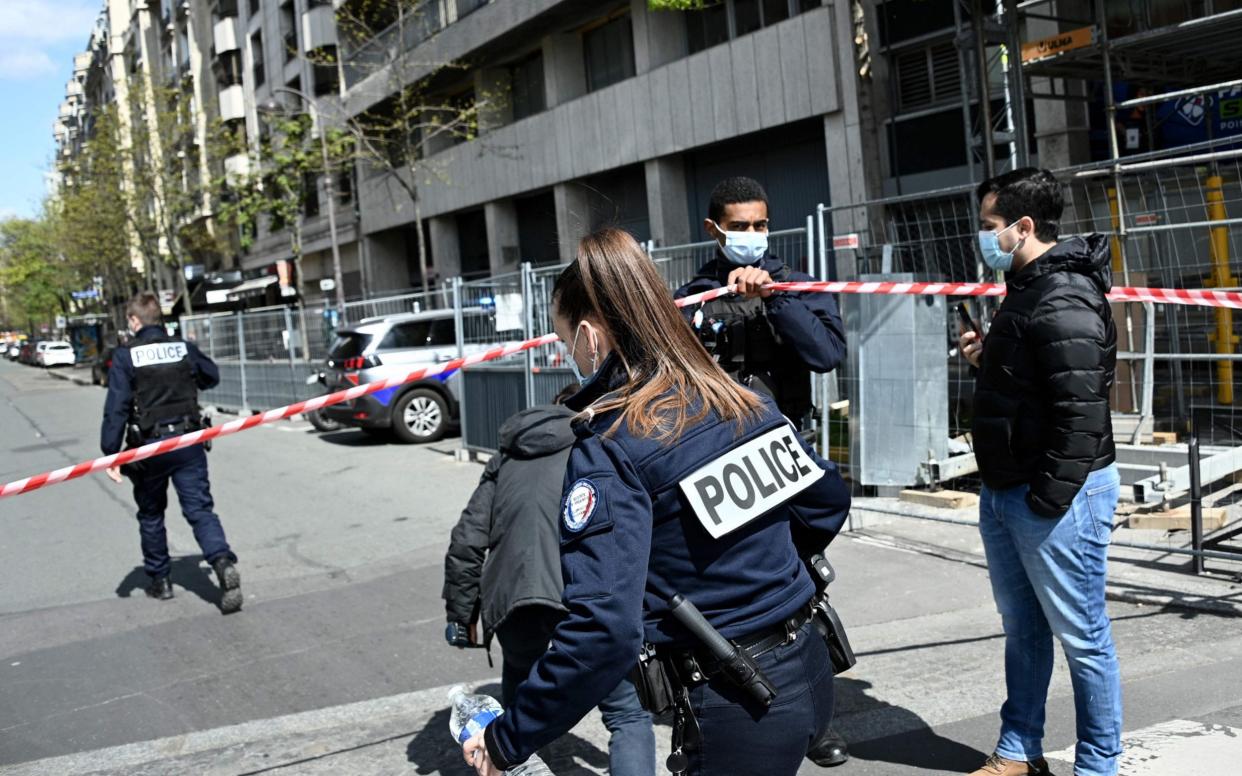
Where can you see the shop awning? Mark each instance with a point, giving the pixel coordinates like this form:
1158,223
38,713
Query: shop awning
252,287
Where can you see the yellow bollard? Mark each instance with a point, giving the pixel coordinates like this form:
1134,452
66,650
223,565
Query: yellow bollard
1223,337
1115,242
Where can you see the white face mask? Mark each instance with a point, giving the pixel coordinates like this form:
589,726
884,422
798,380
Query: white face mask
743,248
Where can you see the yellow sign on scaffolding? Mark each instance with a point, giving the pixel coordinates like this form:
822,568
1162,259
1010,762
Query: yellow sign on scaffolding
1036,50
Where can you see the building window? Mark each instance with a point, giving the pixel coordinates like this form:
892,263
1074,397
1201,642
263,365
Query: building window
228,69
254,8
609,53
927,75
465,7
344,187
310,200
529,96
256,57
326,76
723,20
289,30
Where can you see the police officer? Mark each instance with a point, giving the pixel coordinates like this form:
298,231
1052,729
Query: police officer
680,483
152,394
768,341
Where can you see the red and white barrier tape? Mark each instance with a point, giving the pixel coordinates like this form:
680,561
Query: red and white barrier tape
1200,297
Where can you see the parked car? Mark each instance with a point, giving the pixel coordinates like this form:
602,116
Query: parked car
57,353
379,348
27,355
100,367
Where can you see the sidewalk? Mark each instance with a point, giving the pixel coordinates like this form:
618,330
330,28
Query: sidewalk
1145,577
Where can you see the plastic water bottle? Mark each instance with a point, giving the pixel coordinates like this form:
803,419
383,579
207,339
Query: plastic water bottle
471,713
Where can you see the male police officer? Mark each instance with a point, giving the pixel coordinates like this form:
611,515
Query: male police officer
768,341
153,393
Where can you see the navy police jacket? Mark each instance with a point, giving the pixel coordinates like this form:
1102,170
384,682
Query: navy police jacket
120,400
809,325
723,515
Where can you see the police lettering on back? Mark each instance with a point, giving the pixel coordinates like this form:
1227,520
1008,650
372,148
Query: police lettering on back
749,481
158,353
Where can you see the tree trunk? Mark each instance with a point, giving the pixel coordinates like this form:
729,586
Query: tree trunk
422,245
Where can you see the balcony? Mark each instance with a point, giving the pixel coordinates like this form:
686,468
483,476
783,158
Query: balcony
423,21
227,35
318,27
232,103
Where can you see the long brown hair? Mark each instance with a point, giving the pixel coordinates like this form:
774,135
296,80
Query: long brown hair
673,381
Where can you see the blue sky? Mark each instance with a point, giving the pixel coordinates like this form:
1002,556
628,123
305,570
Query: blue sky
38,39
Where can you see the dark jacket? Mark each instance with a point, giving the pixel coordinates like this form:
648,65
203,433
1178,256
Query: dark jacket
631,537
809,334
505,551
119,403
1041,415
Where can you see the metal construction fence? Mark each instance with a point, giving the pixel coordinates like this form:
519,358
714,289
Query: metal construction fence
897,412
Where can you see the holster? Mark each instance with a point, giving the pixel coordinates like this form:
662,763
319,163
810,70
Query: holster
825,620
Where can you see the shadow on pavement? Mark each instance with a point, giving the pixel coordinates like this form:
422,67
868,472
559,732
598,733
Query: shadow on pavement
918,747
187,572
355,437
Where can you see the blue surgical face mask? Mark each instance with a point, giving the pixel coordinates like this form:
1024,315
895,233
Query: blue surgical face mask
743,248
993,256
573,362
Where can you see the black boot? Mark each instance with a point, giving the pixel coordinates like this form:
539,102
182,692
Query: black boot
160,588
230,585
829,751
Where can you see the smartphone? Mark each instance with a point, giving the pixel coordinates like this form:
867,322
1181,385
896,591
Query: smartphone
964,316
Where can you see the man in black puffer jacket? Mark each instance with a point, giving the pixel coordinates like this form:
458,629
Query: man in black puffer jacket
1043,439
504,563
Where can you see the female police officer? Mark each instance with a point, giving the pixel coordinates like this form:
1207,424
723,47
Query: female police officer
682,483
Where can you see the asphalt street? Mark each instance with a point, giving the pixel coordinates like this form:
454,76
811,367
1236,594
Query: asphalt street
337,663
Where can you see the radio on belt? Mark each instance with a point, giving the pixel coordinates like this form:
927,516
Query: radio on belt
749,480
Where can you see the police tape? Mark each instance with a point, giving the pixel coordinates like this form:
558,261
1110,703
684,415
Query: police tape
1200,297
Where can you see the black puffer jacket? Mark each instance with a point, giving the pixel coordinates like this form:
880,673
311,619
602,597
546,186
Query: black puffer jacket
1041,396
506,548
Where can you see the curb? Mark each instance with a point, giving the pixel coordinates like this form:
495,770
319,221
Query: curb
69,377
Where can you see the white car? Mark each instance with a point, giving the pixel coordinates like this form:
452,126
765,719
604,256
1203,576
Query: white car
56,354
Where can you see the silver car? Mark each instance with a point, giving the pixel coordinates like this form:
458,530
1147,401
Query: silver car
379,348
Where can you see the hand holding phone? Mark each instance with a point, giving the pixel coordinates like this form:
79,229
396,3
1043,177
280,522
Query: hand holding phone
970,343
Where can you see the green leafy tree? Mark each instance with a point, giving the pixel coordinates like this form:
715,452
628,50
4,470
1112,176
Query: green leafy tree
34,276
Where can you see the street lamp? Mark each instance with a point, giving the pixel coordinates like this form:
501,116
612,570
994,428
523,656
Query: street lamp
272,107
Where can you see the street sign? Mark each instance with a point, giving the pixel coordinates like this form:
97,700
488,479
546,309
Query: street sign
60,321
327,284
1045,48
846,242
90,293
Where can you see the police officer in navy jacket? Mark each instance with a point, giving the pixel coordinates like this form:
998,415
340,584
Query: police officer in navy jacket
153,386
769,341
681,482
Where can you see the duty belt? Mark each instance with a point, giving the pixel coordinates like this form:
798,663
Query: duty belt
183,426
754,644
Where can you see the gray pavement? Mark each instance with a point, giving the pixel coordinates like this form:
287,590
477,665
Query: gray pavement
337,663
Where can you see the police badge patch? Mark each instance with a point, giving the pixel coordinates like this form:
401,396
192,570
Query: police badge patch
580,504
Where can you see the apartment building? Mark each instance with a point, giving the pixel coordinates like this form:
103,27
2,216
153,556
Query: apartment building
609,113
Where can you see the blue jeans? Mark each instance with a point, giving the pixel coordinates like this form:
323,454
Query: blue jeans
1048,578
524,637
742,739
187,469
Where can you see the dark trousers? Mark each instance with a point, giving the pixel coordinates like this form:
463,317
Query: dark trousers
524,637
187,468
742,739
